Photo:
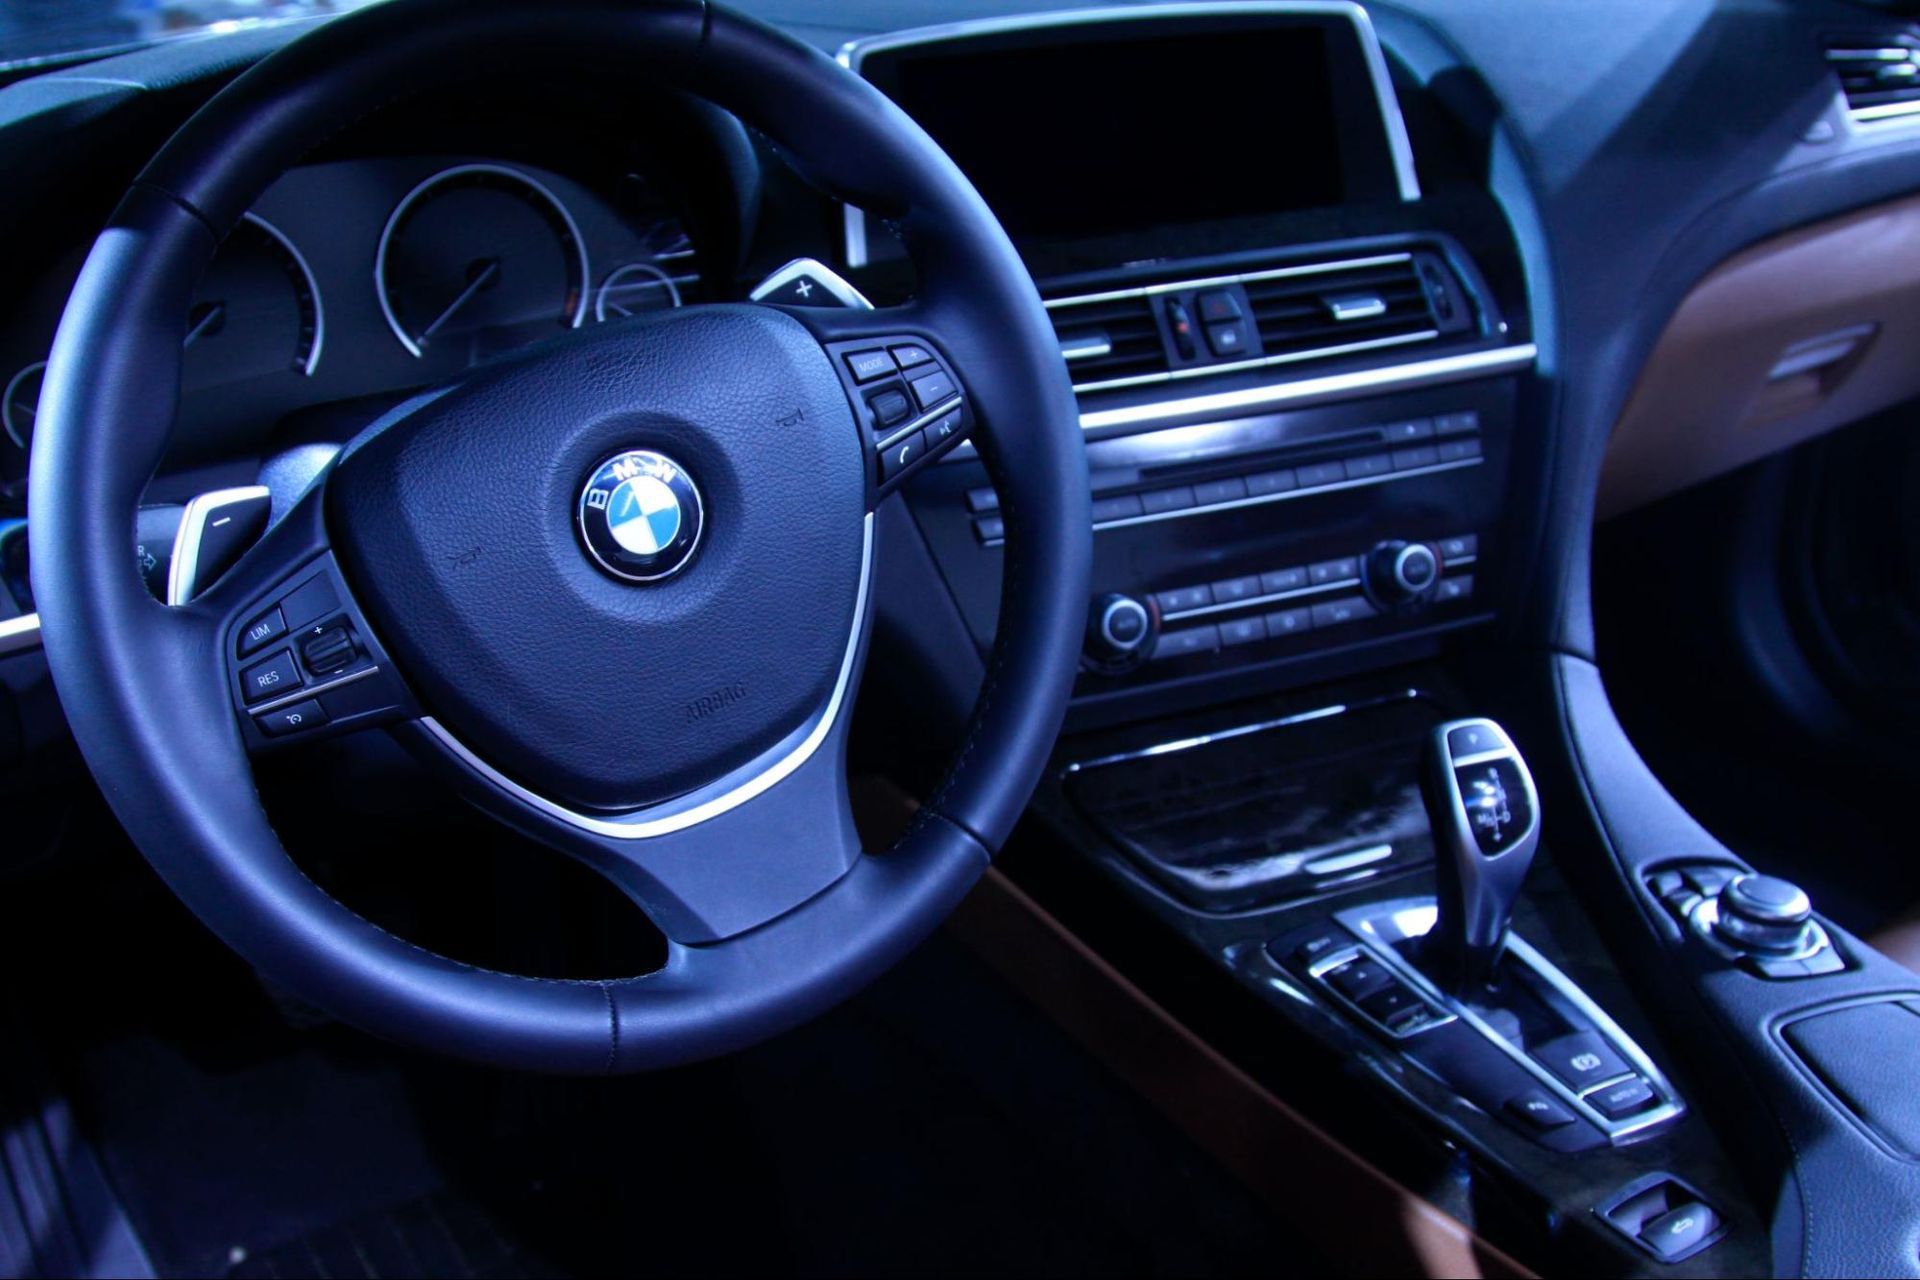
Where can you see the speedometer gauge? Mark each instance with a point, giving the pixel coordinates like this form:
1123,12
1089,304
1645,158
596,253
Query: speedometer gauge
257,311
482,256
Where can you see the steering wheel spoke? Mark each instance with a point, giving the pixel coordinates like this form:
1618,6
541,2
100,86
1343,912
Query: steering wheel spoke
300,659
903,383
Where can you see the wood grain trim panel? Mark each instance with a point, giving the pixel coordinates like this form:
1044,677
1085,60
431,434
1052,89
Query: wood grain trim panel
1351,1209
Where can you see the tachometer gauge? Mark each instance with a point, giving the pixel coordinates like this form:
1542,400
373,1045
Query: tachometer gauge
636,287
257,311
21,403
483,256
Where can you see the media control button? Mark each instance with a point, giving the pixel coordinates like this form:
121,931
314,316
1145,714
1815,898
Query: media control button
944,428
865,366
1271,482
910,356
1459,548
1283,580
1408,430
890,407
1234,590
1345,569
900,455
929,389
1213,492
1120,508
1162,500
1372,465
1182,599
1288,622
1453,424
1459,450
1413,457
1315,474
1334,612
1181,644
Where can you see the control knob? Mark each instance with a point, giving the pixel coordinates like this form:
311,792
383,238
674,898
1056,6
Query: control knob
1763,913
1120,632
1400,573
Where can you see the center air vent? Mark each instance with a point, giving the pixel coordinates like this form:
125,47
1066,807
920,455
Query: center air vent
1878,74
1293,314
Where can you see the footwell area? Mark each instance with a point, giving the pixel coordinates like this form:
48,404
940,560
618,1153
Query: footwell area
937,1124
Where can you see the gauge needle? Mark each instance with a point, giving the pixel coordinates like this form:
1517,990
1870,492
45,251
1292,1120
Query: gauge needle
481,278
206,322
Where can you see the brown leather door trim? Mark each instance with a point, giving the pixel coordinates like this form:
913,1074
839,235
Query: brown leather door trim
1354,1212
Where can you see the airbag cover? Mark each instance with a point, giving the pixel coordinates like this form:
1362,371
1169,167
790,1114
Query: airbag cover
456,525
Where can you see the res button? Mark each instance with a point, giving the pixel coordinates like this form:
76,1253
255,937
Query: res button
270,679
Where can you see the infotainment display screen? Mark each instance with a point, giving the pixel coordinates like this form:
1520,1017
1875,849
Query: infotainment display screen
1091,129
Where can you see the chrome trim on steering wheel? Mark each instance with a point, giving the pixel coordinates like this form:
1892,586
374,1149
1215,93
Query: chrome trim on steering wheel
723,794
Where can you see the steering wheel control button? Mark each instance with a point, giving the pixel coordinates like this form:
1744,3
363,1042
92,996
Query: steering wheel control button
948,426
270,625
911,356
866,366
329,651
1581,1060
282,721
1538,1111
930,389
640,516
901,454
270,679
890,407
312,599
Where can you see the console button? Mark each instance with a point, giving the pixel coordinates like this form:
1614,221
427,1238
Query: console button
1334,612
900,455
865,366
1242,631
1409,430
1228,339
1213,492
1622,1099
1234,590
1451,424
929,389
1538,1110
268,626
1315,947
982,499
910,357
1345,569
1271,482
1358,978
1218,304
1283,580
285,720
1397,1008
1580,1059
1160,500
270,679
1414,457
1181,599
1288,622
1679,1230
1181,644
1181,326
1467,544
989,528
1471,740
890,407
1315,474
1120,508
1372,465
1458,587
1459,450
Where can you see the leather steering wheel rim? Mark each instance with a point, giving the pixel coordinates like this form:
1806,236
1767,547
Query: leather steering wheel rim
146,688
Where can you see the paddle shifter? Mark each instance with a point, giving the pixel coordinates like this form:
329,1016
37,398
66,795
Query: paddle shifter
1486,825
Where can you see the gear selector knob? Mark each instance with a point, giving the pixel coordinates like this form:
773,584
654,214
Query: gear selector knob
1485,817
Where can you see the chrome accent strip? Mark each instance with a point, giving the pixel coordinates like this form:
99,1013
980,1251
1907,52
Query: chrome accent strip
1337,862
406,201
934,414
1301,392
1415,917
17,635
1254,602
311,691
1398,146
721,795
1091,347
1238,731
1261,362
1210,282
1235,505
183,571
312,361
1357,307
820,273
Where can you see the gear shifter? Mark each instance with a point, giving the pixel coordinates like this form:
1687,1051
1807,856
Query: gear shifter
1486,824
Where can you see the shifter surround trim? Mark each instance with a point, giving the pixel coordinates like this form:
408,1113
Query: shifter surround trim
1383,924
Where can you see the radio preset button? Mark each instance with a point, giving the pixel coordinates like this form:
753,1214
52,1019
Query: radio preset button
1214,492
1374,464
1183,599
1161,500
1181,644
1345,569
1279,580
1334,612
1271,482
1234,590
1243,631
1315,474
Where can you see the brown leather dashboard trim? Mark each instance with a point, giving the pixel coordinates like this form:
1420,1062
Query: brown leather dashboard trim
1356,1213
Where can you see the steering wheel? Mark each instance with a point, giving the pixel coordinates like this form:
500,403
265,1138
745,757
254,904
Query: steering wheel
617,586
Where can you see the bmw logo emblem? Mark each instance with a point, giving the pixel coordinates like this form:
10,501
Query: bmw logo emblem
640,516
